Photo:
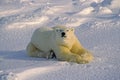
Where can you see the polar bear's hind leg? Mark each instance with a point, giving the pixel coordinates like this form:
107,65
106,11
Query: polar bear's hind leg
34,52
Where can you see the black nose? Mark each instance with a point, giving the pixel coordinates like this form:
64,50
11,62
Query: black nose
63,34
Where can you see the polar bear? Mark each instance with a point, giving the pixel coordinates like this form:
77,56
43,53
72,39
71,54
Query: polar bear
62,41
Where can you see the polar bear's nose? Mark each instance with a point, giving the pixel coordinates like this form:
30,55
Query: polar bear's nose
63,34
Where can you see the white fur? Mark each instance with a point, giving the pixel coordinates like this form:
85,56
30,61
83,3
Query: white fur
66,48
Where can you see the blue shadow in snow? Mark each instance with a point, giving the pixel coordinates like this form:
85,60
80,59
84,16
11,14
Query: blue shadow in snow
18,55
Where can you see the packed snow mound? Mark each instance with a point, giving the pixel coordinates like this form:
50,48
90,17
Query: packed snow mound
115,7
8,76
105,10
36,71
115,4
86,11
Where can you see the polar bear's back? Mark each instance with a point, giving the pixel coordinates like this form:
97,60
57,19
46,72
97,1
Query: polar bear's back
41,38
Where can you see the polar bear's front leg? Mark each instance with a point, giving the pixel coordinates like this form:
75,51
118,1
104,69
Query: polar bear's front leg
35,52
65,54
85,55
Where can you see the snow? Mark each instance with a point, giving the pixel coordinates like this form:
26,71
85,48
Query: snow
86,11
97,26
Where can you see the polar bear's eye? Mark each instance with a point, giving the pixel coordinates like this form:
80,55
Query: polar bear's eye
57,30
67,30
60,30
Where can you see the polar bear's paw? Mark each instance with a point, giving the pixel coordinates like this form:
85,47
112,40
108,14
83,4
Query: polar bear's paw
76,58
86,58
83,59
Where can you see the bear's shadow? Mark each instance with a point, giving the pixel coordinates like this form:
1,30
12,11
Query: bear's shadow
19,55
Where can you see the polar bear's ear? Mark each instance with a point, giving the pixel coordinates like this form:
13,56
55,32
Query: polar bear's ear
72,29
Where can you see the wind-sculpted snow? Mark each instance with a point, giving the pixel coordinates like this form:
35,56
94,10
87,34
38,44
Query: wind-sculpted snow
97,26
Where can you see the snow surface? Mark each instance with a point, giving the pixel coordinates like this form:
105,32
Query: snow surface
97,26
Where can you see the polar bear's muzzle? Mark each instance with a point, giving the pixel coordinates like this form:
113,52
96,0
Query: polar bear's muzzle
63,34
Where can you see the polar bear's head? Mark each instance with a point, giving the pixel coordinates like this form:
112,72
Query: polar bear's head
63,35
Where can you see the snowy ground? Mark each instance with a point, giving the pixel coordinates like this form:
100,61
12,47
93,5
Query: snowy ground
97,25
